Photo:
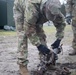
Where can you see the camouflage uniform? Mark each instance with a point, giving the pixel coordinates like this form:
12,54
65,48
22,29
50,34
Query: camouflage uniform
71,9
19,16
29,20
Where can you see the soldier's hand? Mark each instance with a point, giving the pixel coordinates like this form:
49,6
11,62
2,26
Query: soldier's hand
43,49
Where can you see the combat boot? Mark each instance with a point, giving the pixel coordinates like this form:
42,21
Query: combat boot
23,70
72,53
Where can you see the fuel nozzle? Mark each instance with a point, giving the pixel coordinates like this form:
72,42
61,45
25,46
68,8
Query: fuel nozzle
58,50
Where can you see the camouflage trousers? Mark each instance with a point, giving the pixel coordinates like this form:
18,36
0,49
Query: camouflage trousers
74,32
23,44
22,31
29,25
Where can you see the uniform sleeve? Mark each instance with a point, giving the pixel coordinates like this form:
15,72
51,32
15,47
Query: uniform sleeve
69,7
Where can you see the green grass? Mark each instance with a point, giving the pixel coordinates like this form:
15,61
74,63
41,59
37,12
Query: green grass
51,29
73,73
7,33
47,29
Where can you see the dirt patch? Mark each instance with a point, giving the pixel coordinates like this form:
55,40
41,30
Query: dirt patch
8,56
68,65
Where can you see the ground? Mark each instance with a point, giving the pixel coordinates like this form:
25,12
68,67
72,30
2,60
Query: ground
8,51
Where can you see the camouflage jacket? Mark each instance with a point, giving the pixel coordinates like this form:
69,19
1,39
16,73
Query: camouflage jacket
52,2
71,7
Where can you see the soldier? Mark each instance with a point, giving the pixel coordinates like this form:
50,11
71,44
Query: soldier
71,14
29,17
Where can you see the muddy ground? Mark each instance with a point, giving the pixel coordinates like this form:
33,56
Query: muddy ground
8,54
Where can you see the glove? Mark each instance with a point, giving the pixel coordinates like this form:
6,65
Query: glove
68,18
43,49
56,44
48,56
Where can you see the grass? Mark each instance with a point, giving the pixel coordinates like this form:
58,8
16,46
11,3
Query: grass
50,32
47,29
73,73
51,29
7,33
